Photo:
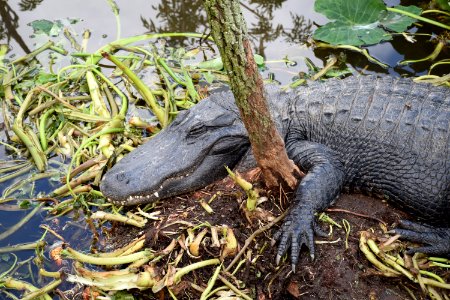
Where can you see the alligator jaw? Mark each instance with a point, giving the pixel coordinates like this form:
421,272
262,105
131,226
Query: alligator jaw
203,170
187,155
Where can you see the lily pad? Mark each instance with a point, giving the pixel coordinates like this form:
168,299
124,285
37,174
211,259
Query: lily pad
360,22
51,28
42,26
397,22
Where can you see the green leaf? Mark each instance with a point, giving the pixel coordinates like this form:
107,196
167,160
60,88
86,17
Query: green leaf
360,22
209,77
3,50
5,257
44,78
338,73
212,64
51,28
259,60
397,22
338,33
351,12
123,295
25,204
443,4
41,26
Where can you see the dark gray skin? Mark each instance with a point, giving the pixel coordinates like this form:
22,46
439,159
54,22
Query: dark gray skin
381,136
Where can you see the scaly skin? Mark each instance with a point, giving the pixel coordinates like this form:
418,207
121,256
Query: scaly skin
386,137
381,136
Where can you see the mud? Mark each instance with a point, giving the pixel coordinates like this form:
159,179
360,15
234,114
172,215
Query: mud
336,272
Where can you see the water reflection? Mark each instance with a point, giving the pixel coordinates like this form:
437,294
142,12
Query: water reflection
266,19
274,25
9,21
177,16
263,27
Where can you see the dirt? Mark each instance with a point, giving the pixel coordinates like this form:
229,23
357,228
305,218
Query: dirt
336,272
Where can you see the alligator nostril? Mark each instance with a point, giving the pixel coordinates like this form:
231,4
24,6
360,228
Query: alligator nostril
120,177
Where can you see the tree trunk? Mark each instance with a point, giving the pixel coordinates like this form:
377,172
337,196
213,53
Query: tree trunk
229,31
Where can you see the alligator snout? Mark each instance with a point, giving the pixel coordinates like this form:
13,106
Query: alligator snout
115,187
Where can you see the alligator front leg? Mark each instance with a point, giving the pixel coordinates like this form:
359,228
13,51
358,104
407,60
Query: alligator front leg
317,190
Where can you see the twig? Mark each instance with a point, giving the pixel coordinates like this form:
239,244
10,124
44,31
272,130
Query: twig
61,100
355,214
233,288
253,236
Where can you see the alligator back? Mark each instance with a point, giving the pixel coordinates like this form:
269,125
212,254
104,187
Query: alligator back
392,137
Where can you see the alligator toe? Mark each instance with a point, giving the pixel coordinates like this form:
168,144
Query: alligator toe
296,231
435,240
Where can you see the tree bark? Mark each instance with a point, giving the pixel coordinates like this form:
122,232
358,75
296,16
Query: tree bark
229,30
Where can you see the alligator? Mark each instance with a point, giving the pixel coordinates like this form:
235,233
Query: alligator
382,136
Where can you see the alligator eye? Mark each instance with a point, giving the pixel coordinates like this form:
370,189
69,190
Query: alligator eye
197,130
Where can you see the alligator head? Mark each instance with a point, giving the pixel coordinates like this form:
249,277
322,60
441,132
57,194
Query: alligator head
187,155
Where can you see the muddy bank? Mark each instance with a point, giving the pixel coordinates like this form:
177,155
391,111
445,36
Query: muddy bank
336,272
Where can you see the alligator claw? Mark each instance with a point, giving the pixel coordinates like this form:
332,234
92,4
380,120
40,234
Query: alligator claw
437,240
319,231
296,231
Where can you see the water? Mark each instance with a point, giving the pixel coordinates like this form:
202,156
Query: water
278,29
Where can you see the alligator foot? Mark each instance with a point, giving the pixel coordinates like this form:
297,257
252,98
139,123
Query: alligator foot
437,240
294,233
297,230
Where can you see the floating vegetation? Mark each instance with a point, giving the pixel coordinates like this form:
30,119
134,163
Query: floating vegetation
66,124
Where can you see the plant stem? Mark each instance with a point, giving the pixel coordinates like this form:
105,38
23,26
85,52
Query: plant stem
183,271
35,151
42,125
414,16
253,236
25,169
234,289
211,283
33,54
43,291
107,261
101,215
19,224
142,88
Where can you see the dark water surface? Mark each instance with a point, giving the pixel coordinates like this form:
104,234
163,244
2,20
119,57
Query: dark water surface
278,29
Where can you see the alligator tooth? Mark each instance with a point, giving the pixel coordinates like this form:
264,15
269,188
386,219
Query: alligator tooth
156,194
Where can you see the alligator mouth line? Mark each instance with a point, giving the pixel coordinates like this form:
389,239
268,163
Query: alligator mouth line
133,199
154,195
